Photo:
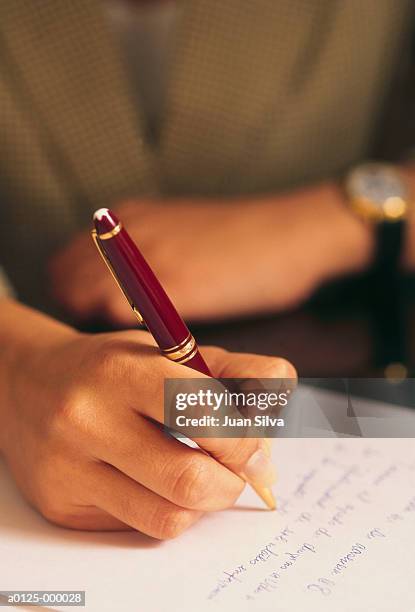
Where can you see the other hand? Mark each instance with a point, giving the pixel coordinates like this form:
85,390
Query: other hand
219,259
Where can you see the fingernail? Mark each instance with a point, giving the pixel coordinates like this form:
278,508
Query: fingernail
267,447
260,469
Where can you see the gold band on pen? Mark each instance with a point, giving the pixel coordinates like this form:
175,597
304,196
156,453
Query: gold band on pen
183,351
178,346
187,357
116,230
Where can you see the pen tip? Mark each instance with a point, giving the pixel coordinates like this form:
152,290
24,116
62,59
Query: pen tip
104,220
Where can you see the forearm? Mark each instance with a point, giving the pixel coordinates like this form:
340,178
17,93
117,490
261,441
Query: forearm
340,242
23,331
344,243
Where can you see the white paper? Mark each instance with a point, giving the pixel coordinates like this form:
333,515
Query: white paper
342,539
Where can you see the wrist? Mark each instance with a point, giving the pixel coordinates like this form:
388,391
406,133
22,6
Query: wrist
340,243
24,335
351,241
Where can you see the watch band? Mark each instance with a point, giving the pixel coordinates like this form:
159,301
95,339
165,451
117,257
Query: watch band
378,194
389,241
388,330
388,335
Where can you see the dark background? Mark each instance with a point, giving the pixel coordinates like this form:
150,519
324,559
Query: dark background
354,329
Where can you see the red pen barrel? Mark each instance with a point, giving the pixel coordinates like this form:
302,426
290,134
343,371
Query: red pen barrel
146,294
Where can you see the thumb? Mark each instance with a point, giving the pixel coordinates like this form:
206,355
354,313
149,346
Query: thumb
224,364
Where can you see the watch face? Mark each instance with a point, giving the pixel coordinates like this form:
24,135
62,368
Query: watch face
379,189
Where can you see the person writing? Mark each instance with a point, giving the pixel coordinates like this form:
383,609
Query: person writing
224,129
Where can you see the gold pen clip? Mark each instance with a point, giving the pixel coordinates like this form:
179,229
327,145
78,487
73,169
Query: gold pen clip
114,276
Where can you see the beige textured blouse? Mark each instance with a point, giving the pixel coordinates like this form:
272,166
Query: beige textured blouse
262,96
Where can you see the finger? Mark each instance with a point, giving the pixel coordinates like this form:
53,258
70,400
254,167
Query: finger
280,372
224,364
75,277
138,507
74,260
90,518
247,457
185,476
117,311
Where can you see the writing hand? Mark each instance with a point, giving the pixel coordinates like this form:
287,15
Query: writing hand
79,428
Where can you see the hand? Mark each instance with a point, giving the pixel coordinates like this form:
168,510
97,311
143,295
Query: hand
222,259
78,428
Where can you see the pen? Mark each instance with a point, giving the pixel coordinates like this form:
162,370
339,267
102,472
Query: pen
148,300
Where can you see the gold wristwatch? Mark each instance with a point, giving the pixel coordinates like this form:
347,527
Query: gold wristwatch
379,194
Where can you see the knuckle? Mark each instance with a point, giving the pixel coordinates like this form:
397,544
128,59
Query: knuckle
50,508
46,488
129,510
171,523
277,367
238,453
191,484
73,418
107,358
114,358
